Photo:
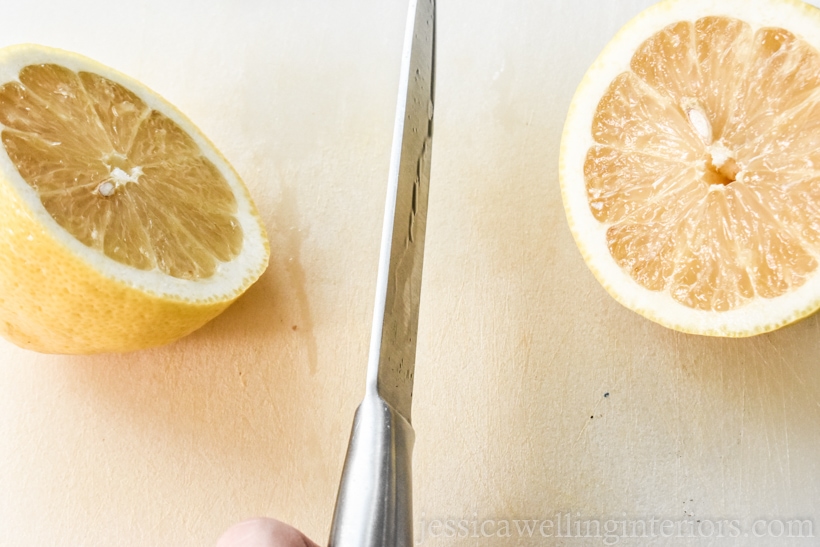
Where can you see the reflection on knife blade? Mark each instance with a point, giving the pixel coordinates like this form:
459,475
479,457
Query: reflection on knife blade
393,341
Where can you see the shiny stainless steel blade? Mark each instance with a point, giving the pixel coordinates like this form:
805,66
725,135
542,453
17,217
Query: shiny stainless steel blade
374,507
398,290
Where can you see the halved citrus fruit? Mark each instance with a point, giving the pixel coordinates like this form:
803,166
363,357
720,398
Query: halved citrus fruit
690,165
121,226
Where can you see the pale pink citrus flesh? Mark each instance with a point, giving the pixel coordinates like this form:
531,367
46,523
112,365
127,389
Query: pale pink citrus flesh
706,167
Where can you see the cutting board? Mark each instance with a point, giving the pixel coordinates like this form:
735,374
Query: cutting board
537,398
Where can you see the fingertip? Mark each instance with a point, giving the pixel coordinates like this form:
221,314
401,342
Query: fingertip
263,532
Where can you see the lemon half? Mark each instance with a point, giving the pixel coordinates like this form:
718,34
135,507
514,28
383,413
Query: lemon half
121,226
690,165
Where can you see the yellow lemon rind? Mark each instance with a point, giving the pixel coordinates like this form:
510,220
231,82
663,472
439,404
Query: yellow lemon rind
59,296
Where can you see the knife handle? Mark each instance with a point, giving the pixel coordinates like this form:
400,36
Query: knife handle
374,507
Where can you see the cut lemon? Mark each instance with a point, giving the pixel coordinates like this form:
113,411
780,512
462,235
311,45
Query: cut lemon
690,165
121,226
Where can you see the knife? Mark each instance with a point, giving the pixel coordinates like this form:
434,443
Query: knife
374,506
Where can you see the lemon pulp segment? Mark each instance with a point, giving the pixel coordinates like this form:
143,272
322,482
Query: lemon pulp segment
122,227
117,175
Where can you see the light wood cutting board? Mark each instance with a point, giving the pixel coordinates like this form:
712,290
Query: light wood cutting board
536,394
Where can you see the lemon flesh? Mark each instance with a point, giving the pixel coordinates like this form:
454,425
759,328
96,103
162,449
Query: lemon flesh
701,172
124,227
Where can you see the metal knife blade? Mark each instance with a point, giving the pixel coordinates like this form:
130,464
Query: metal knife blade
392,359
374,506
